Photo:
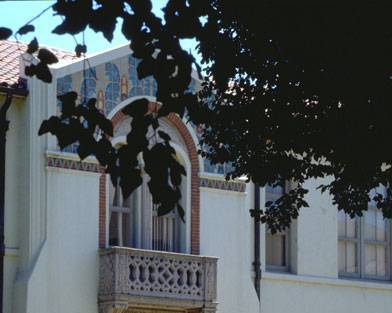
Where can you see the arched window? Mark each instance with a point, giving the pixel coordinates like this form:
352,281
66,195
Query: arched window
146,86
64,84
135,223
112,91
88,86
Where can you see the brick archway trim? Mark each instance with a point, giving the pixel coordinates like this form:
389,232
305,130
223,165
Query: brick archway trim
178,124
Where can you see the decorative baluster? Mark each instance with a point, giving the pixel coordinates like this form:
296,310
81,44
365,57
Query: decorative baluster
150,273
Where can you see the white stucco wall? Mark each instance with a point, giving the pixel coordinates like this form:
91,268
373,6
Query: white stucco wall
314,286
311,286
73,201
64,276
225,232
14,168
51,228
306,294
317,234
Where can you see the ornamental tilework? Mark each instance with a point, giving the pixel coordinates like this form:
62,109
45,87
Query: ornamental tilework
116,81
64,84
59,162
89,85
221,169
146,86
112,90
222,184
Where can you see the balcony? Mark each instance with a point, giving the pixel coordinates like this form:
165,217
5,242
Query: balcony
134,280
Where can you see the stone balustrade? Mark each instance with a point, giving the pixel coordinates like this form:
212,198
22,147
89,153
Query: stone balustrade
149,278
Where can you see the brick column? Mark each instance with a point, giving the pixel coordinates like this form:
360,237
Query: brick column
102,211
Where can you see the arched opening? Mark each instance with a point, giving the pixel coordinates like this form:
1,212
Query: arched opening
134,222
187,151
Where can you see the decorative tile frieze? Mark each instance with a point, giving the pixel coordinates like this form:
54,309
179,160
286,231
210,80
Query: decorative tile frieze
71,164
222,184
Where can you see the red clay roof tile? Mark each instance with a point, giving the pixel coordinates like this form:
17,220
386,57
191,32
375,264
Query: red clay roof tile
10,52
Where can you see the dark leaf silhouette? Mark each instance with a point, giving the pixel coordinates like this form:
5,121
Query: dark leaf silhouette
136,108
164,135
68,101
43,73
5,33
104,152
87,145
166,208
181,212
40,70
146,68
32,46
70,26
46,56
104,19
272,93
129,181
105,124
30,70
26,29
51,125
80,49
76,16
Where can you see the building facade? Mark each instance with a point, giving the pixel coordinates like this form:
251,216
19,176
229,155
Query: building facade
74,246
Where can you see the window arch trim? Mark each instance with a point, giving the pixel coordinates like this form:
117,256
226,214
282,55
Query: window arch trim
116,117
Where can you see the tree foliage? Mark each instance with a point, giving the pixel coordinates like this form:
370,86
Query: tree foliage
291,92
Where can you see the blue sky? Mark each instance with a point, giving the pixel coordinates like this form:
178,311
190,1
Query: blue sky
14,14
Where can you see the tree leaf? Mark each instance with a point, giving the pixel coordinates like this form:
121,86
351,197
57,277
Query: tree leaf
30,70
51,125
181,212
137,107
130,181
26,29
43,73
104,151
80,49
46,56
146,68
105,125
5,33
32,46
164,135
87,145
68,101
165,208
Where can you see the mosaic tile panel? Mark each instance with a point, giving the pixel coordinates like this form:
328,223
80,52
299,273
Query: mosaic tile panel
115,81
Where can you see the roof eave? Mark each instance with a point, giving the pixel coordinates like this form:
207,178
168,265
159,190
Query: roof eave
22,92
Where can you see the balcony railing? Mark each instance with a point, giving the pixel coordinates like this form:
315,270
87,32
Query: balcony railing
133,277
